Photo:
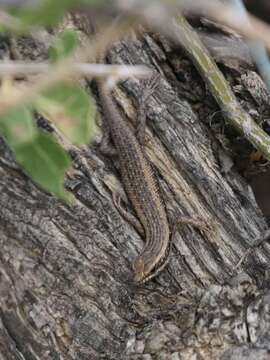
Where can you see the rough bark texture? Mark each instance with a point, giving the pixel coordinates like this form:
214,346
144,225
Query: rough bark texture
66,288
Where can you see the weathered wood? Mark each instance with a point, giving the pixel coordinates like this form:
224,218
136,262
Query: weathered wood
66,287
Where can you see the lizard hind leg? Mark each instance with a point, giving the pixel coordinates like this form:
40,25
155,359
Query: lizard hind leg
127,215
207,229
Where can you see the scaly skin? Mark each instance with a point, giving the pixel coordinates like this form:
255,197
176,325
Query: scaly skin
141,187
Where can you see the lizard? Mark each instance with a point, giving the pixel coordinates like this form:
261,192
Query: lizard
142,190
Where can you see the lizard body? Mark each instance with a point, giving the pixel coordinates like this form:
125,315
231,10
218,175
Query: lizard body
141,187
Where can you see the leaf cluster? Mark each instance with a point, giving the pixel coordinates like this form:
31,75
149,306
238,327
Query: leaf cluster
67,106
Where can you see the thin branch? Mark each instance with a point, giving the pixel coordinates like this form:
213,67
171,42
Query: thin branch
14,68
182,33
219,87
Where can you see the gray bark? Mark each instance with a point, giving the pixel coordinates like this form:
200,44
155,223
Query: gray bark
66,289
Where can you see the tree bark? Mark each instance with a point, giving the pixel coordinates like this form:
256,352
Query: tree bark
66,288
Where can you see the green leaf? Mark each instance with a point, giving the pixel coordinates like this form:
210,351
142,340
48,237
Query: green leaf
63,46
71,109
42,158
46,162
98,4
18,126
48,12
42,12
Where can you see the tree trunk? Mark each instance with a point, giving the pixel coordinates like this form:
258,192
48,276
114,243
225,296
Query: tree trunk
66,288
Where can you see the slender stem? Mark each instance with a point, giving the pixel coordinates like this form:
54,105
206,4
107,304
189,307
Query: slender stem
219,87
14,68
